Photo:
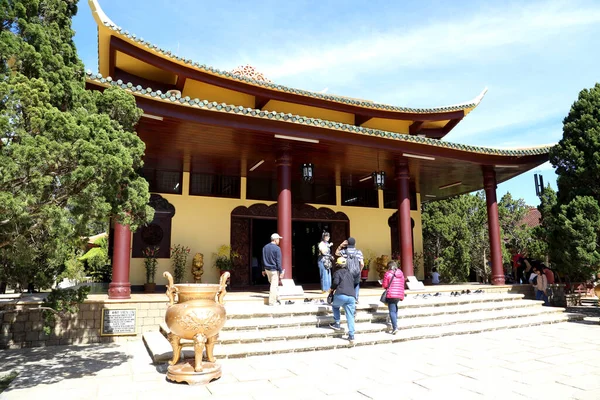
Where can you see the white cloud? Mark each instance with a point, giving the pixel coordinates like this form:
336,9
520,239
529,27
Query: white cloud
452,43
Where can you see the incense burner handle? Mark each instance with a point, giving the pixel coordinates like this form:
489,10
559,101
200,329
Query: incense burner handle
223,287
171,289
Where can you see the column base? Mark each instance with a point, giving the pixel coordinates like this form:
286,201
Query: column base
119,290
498,280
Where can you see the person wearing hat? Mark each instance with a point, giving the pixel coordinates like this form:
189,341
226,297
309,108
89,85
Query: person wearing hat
272,267
355,261
342,287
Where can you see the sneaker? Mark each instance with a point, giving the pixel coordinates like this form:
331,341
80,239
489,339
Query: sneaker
351,339
395,331
278,302
335,326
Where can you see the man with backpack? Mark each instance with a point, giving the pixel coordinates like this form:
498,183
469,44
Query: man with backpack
354,259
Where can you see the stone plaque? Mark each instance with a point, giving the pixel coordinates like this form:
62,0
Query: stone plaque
118,322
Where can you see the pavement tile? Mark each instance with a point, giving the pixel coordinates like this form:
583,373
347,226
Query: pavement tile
587,395
241,388
395,391
547,391
584,382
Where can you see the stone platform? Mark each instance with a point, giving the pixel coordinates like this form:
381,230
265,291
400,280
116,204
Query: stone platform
255,329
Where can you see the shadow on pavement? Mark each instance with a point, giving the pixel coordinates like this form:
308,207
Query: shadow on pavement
47,365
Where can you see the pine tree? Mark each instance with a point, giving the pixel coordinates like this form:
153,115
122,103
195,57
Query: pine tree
573,230
68,157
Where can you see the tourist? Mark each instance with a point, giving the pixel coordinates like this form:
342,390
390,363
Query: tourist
344,294
541,286
355,261
393,282
549,273
324,262
272,267
516,263
435,277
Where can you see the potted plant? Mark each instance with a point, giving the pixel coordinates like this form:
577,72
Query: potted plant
224,258
369,255
179,255
150,261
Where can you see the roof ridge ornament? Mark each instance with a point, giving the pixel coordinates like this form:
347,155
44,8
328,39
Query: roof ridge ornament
248,71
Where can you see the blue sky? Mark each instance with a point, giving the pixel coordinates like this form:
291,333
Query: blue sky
534,57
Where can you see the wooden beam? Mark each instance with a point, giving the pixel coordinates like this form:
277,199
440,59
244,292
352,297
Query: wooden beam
260,102
415,127
273,94
451,124
112,59
180,84
136,80
361,119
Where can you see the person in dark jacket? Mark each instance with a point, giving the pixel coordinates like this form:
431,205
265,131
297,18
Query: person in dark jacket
272,267
344,296
393,281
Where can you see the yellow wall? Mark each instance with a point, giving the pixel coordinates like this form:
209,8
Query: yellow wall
391,125
204,91
139,68
308,111
203,224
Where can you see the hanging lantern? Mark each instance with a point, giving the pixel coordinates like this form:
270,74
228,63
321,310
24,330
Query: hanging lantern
307,172
378,179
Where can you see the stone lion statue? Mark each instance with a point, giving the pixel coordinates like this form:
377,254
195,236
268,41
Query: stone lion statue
197,267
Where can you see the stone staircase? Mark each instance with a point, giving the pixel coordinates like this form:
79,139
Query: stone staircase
255,329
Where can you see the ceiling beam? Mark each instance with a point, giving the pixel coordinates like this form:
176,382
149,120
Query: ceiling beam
451,124
260,102
361,119
415,127
112,60
180,82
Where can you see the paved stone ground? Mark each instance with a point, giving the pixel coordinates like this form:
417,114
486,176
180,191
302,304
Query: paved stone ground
560,361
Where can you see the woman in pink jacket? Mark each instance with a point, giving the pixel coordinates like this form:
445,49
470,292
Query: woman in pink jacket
393,281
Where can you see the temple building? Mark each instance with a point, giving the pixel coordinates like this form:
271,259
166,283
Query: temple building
232,157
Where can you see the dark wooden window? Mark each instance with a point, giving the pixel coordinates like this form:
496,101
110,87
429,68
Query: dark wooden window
215,185
359,197
261,189
156,233
390,199
315,193
164,181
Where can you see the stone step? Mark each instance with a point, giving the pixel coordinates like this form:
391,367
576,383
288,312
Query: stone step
324,314
321,327
315,338
328,343
254,311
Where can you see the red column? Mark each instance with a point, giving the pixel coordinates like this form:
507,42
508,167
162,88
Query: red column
489,183
284,210
120,288
404,222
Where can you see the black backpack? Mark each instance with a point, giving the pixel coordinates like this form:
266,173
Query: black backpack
354,265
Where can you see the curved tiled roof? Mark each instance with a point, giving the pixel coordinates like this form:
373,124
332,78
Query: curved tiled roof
138,90
103,19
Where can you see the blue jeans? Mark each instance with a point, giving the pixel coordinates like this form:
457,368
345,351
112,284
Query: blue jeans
356,288
325,276
349,304
540,295
393,309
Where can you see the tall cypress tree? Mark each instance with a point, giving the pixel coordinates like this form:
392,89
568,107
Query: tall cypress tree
68,157
574,231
